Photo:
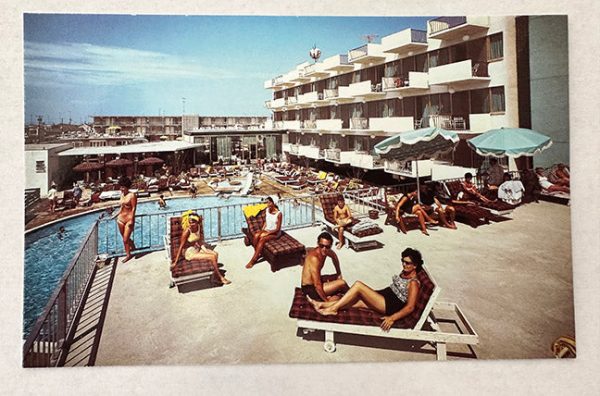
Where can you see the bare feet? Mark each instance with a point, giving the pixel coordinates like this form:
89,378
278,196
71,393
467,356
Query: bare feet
225,281
327,312
249,265
425,233
127,258
316,304
339,245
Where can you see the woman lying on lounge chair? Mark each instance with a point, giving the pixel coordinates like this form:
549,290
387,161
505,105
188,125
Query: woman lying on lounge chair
394,302
547,185
271,229
192,240
408,204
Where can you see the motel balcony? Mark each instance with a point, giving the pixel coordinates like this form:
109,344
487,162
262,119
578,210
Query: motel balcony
366,54
460,75
364,160
268,104
452,28
415,83
344,95
338,156
334,124
291,124
315,70
297,76
311,151
308,98
404,42
408,168
291,100
484,122
359,123
330,94
367,90
391,124
285,147
309,124
277,103
337,63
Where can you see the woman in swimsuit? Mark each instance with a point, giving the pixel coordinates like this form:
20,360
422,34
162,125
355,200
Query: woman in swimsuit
395,302
271,230
126,216
408,204
193,242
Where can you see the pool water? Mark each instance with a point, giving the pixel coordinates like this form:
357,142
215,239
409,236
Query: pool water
47,255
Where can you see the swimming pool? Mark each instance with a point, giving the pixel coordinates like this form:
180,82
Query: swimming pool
47,254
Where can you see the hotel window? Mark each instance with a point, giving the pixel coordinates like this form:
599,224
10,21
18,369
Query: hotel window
392,69
498,105
480,101
40,166
496,47
356,77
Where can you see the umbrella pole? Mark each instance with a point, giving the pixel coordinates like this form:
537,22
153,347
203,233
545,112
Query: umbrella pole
418,185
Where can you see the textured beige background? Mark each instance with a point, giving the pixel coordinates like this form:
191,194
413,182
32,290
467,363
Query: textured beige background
578,376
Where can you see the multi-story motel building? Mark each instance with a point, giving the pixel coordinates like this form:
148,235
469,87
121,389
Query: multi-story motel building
467,74
156,128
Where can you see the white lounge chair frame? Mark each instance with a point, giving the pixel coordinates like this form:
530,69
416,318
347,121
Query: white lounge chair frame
433,310
353,241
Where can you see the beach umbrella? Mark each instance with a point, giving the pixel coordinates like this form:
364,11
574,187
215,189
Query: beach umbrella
87,167
119,162
510,142
418,144
151,161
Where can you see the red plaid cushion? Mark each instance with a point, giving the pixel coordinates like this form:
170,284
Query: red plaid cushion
302,309
283,245
328,203
185,267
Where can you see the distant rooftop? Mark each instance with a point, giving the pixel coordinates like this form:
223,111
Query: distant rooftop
152,147
45,146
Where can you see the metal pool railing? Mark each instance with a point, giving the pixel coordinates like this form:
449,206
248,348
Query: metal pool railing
223,222
49,340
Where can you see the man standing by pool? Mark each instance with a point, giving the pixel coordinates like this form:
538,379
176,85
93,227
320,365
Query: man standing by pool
312,283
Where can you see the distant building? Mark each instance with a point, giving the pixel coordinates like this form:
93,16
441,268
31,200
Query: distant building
156,128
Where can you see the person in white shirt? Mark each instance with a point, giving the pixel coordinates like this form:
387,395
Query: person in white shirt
511,191
271,229
52,197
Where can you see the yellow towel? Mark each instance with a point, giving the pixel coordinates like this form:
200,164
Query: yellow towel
253,210
322,175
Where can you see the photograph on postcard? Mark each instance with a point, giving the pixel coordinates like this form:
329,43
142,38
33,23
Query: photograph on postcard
253,190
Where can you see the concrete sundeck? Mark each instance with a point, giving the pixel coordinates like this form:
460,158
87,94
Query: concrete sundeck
513,280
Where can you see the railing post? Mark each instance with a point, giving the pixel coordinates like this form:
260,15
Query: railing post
61,326
314,211
219,223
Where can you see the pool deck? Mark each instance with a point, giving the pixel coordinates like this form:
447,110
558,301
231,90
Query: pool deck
513,281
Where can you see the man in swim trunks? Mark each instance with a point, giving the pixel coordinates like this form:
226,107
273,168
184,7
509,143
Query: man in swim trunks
312,284
342,217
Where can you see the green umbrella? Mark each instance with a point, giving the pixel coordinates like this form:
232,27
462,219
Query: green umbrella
424,143
511,142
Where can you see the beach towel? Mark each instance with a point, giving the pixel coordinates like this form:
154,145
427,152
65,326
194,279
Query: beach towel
253,210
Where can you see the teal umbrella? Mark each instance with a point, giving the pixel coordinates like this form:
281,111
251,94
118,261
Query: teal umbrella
424,143
511,142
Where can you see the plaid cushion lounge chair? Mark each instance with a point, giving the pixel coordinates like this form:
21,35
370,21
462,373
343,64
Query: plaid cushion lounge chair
367,322
496,207
473,215
355,239
411,221
185,271
282,252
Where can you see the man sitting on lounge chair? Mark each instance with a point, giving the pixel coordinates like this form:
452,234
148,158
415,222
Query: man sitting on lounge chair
342,217
470,189
312,283
432,203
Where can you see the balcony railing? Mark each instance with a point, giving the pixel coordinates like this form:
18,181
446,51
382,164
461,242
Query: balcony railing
309,124
359,52
359,123
395,82
330,93
418,36
294,149
444,23
333,154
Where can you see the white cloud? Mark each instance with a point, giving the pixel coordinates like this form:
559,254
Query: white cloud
81,63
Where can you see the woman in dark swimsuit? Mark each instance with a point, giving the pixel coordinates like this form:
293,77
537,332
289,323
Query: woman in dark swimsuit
394,302
126,216
408,204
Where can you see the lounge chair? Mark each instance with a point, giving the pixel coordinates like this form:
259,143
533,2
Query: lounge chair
473,215
282,252
185,271
356,239
421,325
409,220
496,207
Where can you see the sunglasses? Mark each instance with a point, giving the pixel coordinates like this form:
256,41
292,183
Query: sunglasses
407,262
324,246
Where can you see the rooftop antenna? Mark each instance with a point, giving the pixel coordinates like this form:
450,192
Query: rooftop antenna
369,38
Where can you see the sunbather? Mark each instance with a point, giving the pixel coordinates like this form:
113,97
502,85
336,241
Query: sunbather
126,216
271,229
470,189
342,217
559,174
433,203
162,204
408,204
547,185
394,302
193,242
312,284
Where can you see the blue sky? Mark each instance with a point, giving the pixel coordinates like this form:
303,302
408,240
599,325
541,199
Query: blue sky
81,65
